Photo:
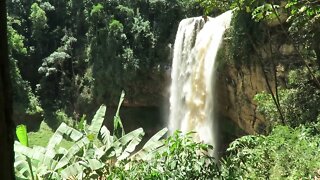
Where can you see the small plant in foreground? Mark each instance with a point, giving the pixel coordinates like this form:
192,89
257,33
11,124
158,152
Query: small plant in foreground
179,158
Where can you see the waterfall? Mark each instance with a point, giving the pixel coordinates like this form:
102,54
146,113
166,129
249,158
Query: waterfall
192,90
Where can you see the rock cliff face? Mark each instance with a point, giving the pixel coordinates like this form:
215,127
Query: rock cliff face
236,89
238,84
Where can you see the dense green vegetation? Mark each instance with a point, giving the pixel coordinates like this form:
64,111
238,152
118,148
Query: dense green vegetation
291,107
72,56
286,153
97,153
68,57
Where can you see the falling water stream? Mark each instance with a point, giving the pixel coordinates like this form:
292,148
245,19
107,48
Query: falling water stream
192,90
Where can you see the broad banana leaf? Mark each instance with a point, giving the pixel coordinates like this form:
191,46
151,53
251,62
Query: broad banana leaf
107,139
22,169
151,146
65,160
94,164
127,143
73,170
22,135
63,129
76,169
120,146
35,153
97,122
131,146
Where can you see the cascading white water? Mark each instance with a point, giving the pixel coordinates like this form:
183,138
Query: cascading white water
193,69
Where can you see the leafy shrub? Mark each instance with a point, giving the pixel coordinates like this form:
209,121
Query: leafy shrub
62,117
287,153
299,102
179,158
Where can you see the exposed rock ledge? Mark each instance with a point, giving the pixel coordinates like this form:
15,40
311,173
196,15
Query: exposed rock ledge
236,89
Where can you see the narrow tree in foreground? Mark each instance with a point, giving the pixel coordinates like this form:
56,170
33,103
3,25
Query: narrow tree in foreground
6,125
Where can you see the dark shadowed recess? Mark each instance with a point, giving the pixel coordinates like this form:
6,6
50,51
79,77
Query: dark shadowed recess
228,132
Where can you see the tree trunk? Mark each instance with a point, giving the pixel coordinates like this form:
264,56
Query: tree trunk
6,124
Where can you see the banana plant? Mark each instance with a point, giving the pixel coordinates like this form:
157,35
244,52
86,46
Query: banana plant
47,162
85,158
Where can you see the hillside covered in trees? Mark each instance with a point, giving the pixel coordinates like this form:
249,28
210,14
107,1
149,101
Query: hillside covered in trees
71,60
73,56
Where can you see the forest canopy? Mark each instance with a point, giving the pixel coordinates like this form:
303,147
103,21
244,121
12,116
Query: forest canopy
75,55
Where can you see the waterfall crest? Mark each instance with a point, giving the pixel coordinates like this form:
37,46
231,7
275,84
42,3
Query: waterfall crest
193,68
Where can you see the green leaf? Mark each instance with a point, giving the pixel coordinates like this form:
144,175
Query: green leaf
94,164
136,137
96,9
63,129
118,130
22,134
36,153
107,139
21,166
65,160
82,123
97,121
151,146
44,162
120,102
122,145
104,152
72,170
